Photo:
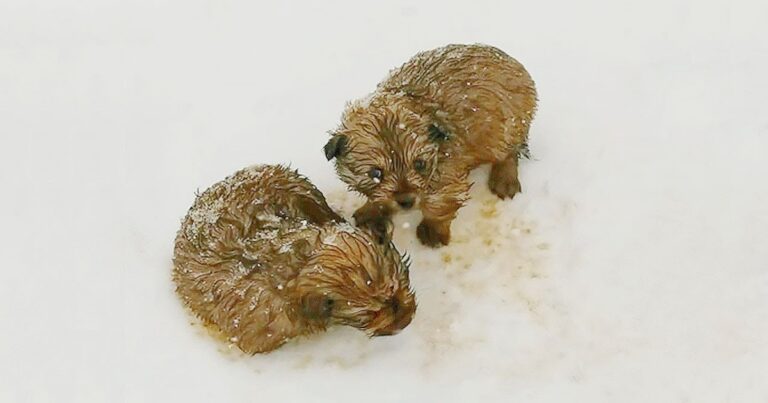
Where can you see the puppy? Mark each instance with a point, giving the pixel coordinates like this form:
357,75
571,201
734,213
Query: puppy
261,257
413,142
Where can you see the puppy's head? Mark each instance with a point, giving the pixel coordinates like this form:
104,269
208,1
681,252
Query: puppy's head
386,151
352,280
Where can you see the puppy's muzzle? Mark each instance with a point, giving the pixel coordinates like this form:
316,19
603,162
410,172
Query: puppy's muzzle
405,200
402,316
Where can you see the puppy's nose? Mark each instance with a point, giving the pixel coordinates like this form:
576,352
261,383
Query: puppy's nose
405,200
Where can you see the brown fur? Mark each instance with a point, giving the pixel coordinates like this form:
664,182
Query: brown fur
262,257
451,108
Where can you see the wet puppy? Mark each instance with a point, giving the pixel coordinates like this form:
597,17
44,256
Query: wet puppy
261,257
413,142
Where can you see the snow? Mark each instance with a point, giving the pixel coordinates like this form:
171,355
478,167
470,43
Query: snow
633,268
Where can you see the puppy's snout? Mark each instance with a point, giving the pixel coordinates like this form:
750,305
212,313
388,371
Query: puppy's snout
405,200
402,314
399,323
385,332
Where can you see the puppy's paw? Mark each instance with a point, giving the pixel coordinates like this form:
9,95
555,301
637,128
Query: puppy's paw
377,219
504,183
434,234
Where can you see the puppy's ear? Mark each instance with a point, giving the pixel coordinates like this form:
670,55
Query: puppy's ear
335,146
317,306
436,134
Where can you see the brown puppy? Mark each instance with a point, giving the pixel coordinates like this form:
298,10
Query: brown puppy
414,140
262,257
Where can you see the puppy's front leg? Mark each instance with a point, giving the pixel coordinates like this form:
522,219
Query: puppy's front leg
376,217
434,233
438,211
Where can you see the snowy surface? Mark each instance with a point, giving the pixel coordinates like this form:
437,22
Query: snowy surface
633,268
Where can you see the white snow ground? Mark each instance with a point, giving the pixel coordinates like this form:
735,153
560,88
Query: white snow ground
633,268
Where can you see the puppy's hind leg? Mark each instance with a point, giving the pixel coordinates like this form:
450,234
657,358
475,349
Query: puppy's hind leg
503,180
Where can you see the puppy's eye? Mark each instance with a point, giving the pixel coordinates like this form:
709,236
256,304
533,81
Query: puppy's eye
329,304
376,174
419,165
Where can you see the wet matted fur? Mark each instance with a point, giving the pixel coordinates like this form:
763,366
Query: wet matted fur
415,139
263,258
